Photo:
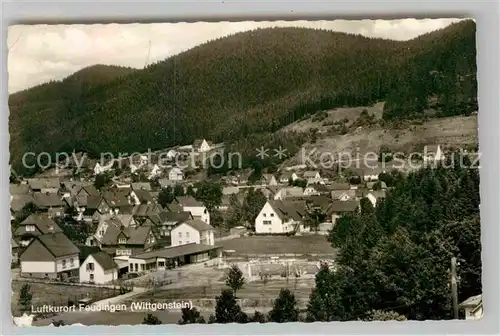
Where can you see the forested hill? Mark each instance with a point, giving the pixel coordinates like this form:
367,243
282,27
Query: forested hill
250,82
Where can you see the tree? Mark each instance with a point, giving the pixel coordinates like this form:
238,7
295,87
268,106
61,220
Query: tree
178,190
234,213
253,203
381,315
76,231
284,308
165,196
25,296
227,310
314,218
190,191
235,279
300,183
27,210
258,317
210,194
191,316
101,181
151,319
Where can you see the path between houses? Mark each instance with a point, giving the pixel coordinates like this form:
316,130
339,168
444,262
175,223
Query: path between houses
120,298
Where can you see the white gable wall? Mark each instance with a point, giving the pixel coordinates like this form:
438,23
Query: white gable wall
184,234
100,275
267,221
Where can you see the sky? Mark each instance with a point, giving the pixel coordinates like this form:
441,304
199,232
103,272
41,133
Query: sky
40,53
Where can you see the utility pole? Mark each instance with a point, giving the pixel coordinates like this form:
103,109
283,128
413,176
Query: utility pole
454,292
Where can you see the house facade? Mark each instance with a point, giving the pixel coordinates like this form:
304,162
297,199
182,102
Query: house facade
175,174
279,217
193,231
197,209
201,146
51,256
98,268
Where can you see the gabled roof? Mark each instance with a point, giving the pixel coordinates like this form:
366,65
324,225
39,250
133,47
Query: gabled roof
145,210
44,183
432,148
19,189
105,260
19,201
175,217
197,142
337,194
135,235
199,225
289,209
116,198
43,223
473,301
343,206
340,186
291,192
287,175
47,200
58,244
143,195
188,201
319,187
91,190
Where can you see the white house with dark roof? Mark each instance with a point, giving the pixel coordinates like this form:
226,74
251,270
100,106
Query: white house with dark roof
269,180
339,208
98,268
51,256
311,174
288,192
280,217
175,174
193,231
286,176
197,209
201,146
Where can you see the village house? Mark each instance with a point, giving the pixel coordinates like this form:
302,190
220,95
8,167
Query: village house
116,239
380,185
98,268
20,189
433,154
201,146
50,203
141,196
473,307
310,174
118,201
101,169
278,216
17,203
197,209
288,192
168,220
173,256
33,226
91,208
343,195
155,172
369,174
44,185
51,256
286,176
193,231
339,208
175,174
269,180
316,189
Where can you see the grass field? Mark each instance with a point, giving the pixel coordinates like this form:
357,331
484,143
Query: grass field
312,244
57,294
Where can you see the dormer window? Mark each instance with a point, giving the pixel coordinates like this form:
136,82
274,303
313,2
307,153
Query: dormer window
122,240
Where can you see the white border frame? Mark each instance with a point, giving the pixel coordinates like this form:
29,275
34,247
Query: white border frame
486,15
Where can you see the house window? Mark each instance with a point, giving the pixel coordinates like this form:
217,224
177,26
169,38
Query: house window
180,234
90,266
72,262
101,233
122,240
64,263
266,222
91,277
131,267
187,234
30,228
272,215
264,214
